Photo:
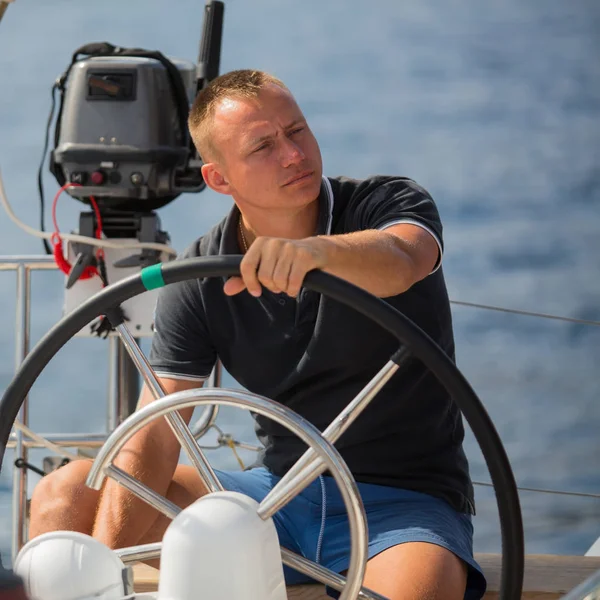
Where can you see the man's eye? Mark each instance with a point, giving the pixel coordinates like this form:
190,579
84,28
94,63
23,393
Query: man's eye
297,130
261,147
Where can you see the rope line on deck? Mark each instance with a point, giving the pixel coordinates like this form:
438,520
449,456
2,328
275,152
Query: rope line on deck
545,491
526,313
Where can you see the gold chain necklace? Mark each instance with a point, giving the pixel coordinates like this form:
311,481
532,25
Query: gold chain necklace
244,243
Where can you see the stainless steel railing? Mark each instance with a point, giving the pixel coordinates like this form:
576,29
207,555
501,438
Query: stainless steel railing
122,393
23,266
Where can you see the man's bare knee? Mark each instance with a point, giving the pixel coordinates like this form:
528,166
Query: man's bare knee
62,484
61,500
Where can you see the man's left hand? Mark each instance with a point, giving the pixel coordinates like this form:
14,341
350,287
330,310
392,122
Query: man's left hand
277,264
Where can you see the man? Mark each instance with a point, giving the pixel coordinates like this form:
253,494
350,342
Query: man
306,351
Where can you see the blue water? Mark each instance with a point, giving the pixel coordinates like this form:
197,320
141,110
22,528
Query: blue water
495,109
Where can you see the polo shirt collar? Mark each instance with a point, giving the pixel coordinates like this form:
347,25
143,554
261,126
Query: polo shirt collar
229,238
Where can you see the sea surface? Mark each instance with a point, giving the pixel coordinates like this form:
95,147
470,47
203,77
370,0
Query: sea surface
494,108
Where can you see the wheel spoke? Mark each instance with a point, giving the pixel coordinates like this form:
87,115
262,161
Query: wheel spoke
308,467
323,575
178,425
291,559
209,414
139,553
160,503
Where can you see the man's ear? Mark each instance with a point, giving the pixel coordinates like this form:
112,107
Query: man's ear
215,178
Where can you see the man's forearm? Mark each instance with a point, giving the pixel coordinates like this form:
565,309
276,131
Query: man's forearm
385,263
373,260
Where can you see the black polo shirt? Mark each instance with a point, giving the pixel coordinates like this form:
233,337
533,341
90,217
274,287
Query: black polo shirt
314,354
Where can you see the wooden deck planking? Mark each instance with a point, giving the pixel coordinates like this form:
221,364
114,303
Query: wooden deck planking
547,577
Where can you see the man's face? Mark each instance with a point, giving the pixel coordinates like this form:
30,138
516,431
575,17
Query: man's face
267,155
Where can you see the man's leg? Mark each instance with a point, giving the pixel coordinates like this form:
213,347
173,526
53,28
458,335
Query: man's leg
417,571
62,501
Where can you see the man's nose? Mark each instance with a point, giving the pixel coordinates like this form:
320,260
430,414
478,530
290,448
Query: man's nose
291,153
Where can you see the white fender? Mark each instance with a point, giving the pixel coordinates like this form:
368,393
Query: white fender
220,549
65,565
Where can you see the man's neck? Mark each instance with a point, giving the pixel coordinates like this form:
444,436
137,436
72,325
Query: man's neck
282,224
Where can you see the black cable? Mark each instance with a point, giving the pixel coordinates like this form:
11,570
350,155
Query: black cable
23,464
40,178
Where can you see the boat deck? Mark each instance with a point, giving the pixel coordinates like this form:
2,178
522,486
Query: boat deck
546,577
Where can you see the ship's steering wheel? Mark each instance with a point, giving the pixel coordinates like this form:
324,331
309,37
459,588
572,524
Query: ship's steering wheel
412,340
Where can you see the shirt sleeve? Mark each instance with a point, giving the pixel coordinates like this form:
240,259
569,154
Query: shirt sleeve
385,201
181,346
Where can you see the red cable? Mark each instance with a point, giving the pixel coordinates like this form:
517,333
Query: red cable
63,264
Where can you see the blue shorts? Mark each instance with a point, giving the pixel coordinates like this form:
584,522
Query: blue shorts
394,516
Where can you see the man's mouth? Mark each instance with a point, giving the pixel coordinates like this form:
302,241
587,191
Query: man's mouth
298,178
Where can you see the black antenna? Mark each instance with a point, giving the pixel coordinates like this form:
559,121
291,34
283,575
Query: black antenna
209,58
3,6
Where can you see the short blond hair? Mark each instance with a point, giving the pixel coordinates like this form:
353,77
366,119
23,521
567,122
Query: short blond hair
243,83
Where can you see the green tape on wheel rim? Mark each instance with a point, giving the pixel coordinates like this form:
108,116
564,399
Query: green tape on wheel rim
152,277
